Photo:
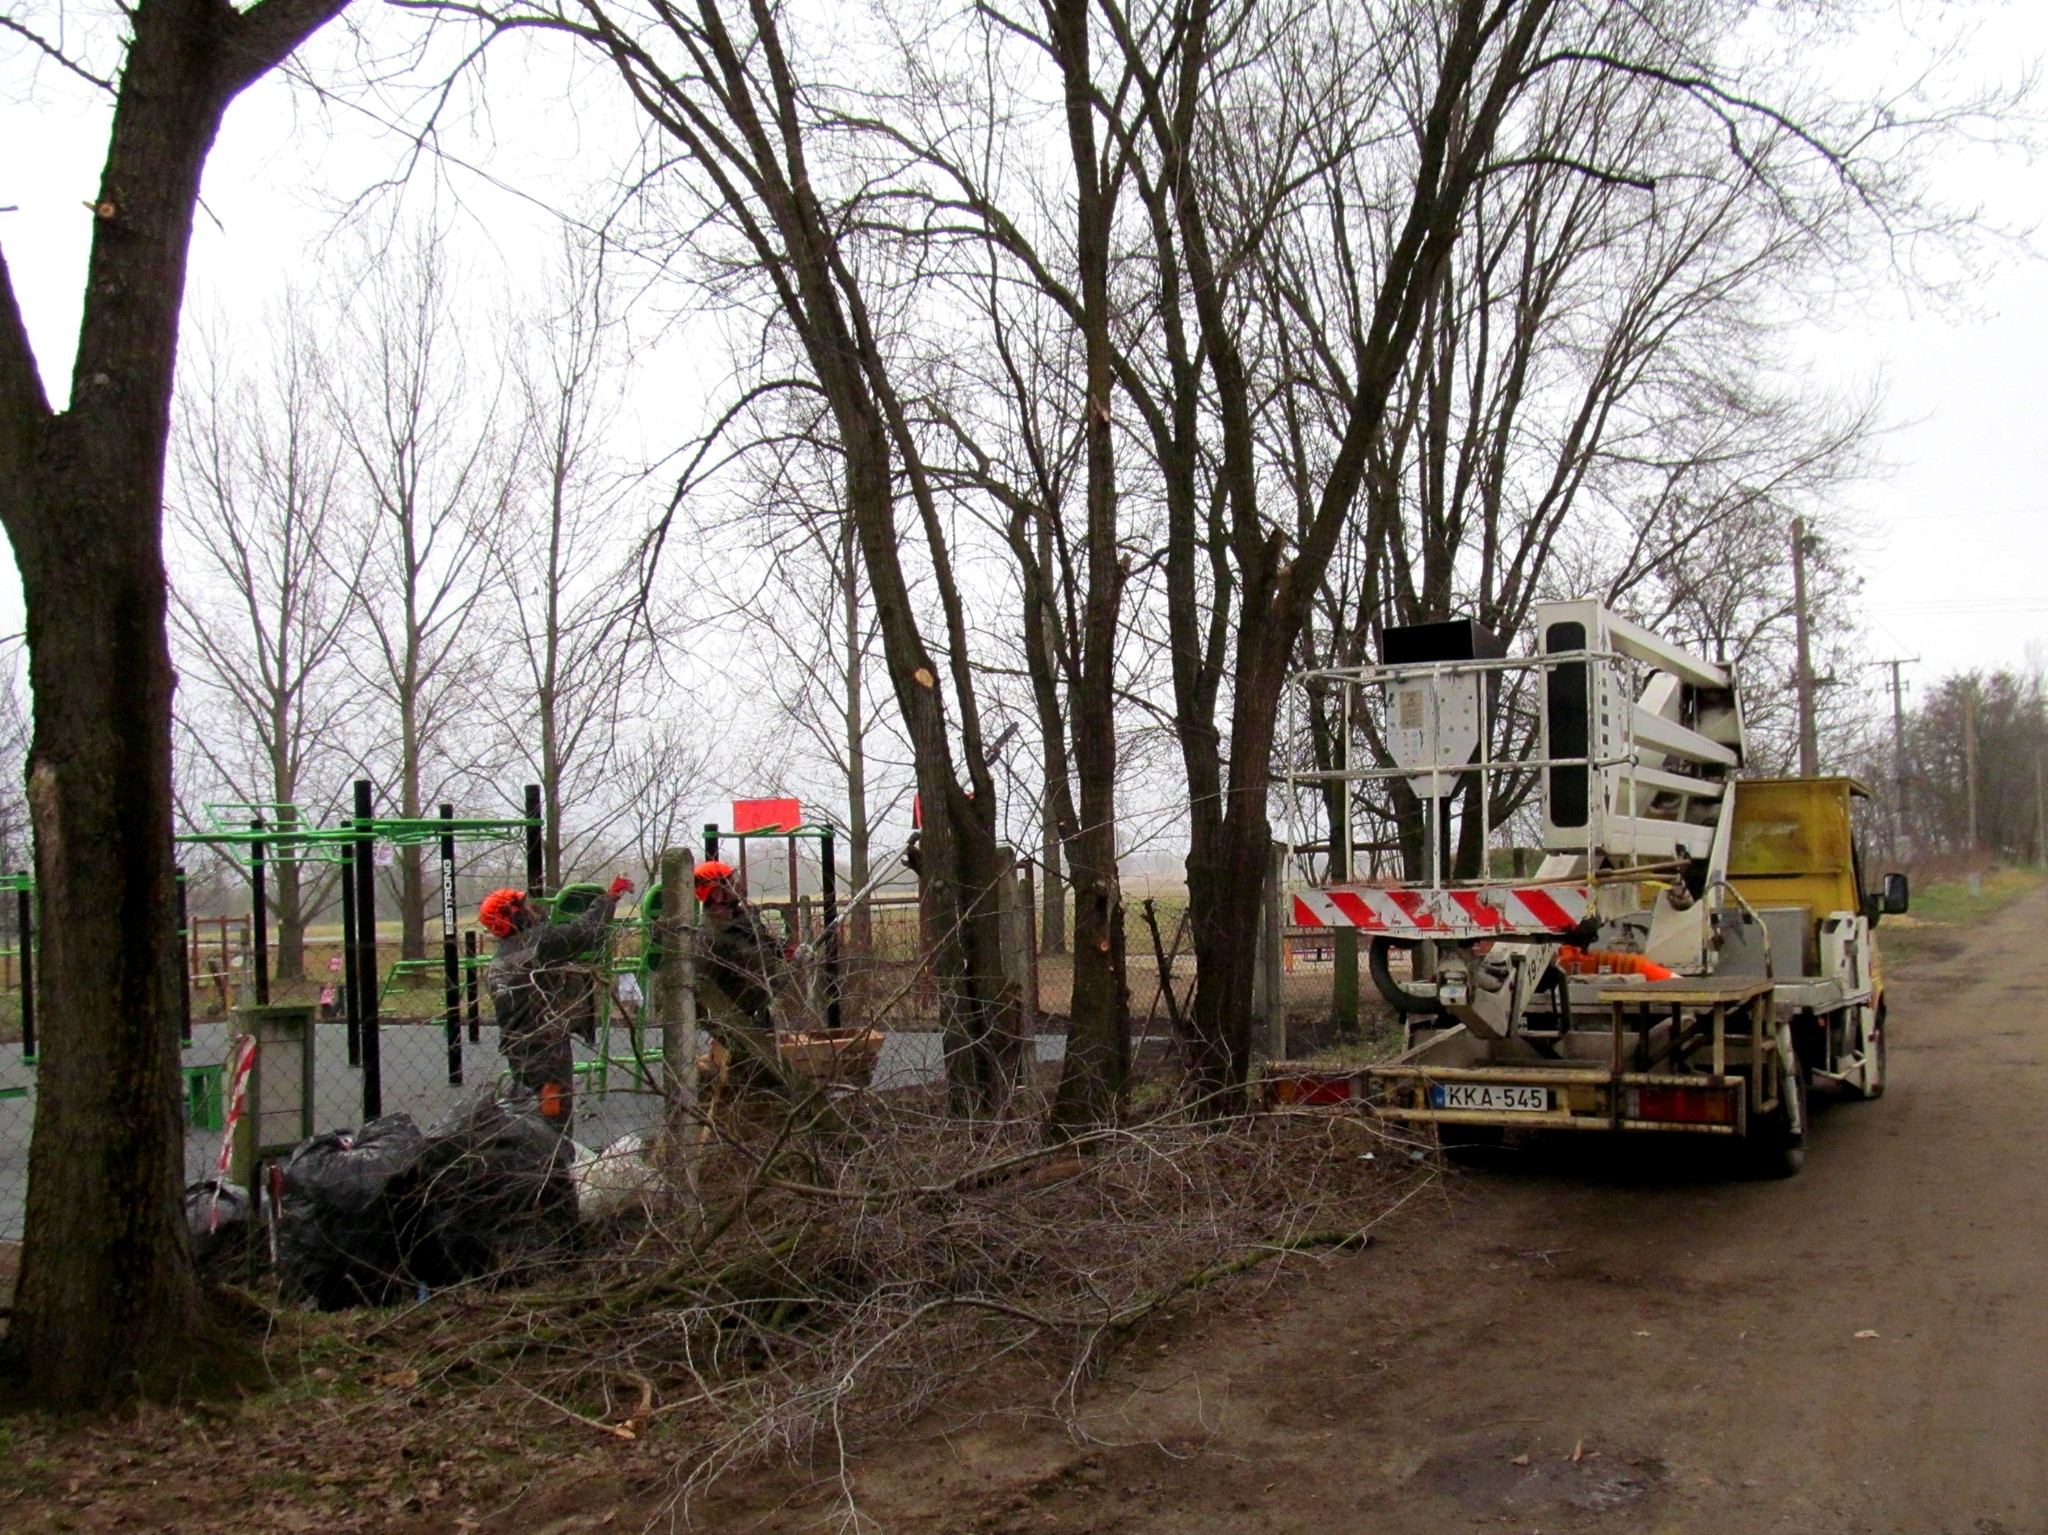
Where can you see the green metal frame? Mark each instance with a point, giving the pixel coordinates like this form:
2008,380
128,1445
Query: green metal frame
231,831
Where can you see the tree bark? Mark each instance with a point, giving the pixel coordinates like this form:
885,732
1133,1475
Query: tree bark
1096,1070
287,903
106,1302
857,831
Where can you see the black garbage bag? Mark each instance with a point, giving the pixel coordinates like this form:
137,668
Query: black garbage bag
338,1241
487,1196
225,1237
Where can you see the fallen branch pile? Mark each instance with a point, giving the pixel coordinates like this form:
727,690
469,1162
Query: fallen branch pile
843,1268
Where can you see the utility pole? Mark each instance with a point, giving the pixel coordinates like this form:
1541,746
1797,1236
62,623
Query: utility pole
1809,734
1899,743
1970,764
2040,811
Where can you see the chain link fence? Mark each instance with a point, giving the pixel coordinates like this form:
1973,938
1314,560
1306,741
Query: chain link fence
877,971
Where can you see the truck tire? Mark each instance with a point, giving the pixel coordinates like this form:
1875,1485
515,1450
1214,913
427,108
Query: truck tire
1872,1086
1774,1149
1391,991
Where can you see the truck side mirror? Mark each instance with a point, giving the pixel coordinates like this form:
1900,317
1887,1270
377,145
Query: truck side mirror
1897,895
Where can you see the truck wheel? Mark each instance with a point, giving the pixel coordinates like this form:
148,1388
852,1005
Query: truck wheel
1775,1150
1872,1085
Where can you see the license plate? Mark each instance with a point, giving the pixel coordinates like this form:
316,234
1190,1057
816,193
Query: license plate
1491,1098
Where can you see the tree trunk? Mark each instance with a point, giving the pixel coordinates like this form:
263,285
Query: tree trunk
857,832
977,1024
106,1301
1097,1068
287,901
412,873
1052,927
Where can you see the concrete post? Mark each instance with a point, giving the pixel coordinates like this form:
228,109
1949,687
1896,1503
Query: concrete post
675,995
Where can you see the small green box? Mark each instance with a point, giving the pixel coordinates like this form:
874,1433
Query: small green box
203,1107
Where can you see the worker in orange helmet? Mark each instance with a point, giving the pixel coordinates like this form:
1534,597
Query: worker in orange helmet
735,946
737,952
532,980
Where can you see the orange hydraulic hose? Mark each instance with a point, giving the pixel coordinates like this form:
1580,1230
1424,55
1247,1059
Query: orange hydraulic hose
1609,962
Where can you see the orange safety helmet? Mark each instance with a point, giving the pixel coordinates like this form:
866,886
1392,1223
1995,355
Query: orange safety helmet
496,912
709,873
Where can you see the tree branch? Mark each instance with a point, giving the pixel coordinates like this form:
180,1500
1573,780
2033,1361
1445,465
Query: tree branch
24,407
53,52
262,38
1611,178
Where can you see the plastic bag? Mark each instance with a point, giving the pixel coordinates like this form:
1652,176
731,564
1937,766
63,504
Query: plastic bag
338,1240
487,1196
221,1219
614,1180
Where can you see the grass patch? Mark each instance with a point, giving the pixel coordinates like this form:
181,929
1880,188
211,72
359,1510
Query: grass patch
1950,903
1945,912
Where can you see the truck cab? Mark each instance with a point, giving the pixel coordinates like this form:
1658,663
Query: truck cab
1806,920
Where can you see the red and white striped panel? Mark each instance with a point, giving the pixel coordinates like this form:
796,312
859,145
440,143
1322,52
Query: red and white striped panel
1497,909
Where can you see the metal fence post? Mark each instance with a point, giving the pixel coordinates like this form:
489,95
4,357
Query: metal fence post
451,963
536,860
828,889
350,1011
366,954
184,962
476,1026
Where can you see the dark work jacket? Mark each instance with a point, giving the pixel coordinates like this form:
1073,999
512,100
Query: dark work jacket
535,979
743,958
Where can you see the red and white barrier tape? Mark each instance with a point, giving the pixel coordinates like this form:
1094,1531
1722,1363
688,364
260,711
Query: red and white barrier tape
1491,911
243,1057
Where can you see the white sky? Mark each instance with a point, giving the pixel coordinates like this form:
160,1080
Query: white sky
1958,518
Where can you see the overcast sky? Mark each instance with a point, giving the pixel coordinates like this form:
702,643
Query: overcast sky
1957,519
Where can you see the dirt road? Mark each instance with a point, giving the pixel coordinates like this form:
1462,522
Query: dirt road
1559,1346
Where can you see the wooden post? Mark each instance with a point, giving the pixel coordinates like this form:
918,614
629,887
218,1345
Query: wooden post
1271,991
675,996
1031,1014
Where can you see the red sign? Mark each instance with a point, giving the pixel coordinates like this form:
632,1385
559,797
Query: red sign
766,815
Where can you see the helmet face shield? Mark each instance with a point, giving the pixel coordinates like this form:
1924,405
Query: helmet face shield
710,875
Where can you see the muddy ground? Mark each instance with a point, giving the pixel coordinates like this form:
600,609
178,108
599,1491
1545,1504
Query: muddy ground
1559,1340
1572,1341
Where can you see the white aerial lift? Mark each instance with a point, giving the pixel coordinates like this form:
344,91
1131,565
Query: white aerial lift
1693,947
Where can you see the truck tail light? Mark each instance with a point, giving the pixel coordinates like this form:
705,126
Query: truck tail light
1683,1105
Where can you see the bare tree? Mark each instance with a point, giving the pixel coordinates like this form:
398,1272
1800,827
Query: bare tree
263,603
665,773
566,565
721,89
106,1302
1994,726
1585,405
431,464
815,666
